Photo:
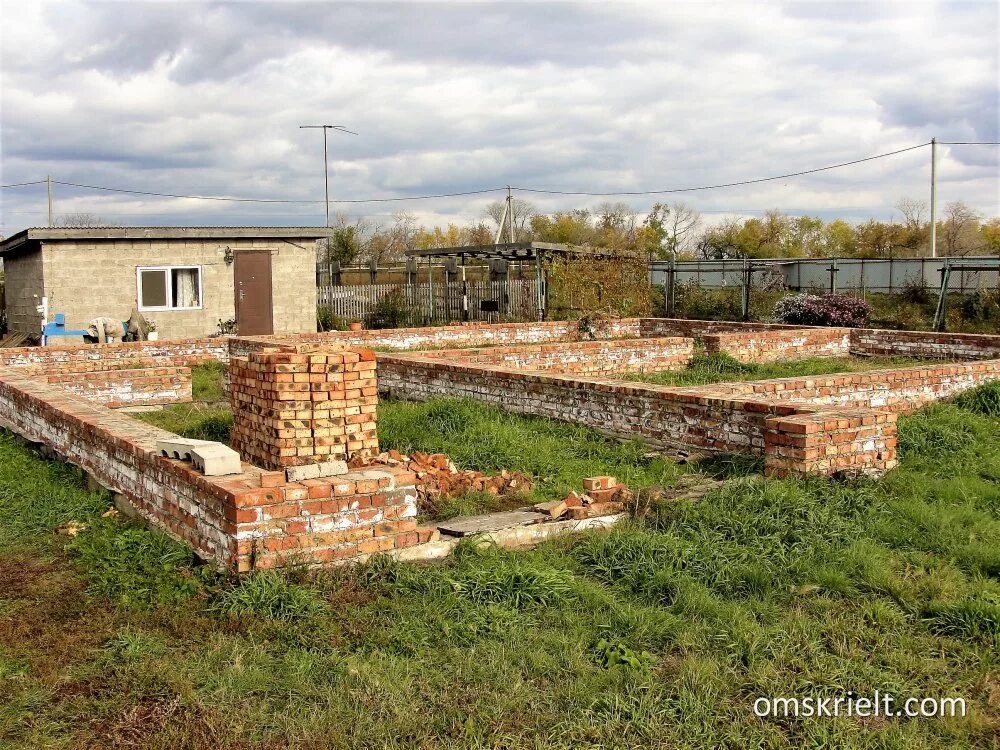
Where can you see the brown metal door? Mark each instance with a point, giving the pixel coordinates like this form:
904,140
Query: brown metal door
252,271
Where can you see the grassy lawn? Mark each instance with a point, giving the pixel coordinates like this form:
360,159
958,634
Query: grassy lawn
658,634
721,368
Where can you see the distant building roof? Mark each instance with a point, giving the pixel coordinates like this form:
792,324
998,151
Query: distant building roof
54,234
512,251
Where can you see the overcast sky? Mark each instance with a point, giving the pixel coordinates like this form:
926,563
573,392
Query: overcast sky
206,98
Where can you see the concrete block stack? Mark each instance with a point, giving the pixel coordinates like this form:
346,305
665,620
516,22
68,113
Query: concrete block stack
295,405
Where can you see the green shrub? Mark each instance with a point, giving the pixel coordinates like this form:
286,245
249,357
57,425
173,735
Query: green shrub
391,311
695,301
823,310
915,292
980,307
327,321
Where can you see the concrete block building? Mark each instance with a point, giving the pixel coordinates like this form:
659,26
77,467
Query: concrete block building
184,279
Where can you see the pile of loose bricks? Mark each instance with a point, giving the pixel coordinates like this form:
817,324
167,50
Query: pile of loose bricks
305,406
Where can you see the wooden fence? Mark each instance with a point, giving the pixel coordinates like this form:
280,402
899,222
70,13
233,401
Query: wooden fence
490,301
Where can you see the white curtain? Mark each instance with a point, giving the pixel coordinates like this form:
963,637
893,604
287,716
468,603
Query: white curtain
186,287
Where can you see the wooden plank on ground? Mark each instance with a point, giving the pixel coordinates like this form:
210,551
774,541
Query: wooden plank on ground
466,525
14,339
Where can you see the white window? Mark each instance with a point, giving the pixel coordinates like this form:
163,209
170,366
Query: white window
169,288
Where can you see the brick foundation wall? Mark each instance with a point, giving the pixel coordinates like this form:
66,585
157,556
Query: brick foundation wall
582,357
303,404
904,389
849,442
959,346
780,345
660,415
727,417
453,336
183,352
121,453
698,328
118,388
253,519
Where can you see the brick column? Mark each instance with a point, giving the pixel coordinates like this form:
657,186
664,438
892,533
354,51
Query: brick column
302,404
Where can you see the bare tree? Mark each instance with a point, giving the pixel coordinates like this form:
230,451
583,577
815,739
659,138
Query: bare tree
84,219
959,229
913,212
681,224
523,212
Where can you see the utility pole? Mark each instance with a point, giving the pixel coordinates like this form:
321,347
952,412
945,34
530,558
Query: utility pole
933,197
48,188
326,166
510,214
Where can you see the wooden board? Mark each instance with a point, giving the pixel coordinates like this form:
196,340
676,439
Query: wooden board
466,525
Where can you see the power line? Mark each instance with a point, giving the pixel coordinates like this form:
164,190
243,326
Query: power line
278,200
727,184
485,191
22,184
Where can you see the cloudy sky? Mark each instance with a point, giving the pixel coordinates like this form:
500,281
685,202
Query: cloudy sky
206,98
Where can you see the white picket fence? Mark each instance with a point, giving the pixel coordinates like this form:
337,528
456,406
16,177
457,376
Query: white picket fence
491,301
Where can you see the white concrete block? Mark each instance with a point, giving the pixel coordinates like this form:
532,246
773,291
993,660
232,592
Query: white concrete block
180,447
299,473
216,459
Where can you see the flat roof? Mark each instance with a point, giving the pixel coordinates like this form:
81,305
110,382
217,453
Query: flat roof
55,234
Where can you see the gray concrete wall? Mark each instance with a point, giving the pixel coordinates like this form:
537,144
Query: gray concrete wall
89,279
23,281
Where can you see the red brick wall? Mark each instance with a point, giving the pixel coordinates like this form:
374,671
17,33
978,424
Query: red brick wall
780,345
959,346
117,388
582,357
903,389
245,520
455,336
726,417
178,352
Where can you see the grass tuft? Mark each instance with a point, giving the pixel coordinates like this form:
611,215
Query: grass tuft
269,594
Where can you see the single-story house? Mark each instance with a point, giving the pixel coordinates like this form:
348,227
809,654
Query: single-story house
183,279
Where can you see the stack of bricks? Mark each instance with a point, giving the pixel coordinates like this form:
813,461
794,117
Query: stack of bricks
848,442
295,405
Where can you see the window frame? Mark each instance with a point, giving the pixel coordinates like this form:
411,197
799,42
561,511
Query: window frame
170,288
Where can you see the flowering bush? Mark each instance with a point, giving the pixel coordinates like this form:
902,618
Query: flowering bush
823,310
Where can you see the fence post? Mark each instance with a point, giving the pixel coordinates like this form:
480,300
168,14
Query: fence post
430,290
465,293
833,276
745,301
670,288
940,315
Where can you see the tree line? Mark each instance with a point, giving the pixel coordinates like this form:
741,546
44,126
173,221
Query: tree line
678,230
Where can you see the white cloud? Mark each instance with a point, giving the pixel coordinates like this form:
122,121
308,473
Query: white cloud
207,98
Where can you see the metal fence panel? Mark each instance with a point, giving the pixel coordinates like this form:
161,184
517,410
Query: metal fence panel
851,275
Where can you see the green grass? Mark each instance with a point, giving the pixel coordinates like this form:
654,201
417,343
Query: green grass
722,368
206,381
484,438
658,634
